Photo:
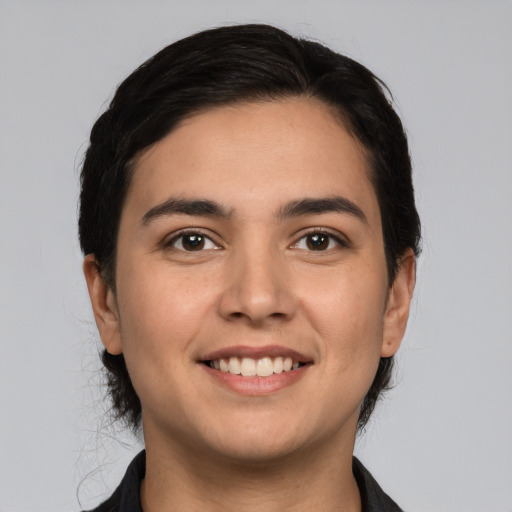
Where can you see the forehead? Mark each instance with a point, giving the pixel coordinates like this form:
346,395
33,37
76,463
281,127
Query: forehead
255,153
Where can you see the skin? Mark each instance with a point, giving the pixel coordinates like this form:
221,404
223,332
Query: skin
256,282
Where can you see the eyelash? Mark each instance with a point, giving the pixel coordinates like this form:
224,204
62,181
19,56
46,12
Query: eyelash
339,241
171,244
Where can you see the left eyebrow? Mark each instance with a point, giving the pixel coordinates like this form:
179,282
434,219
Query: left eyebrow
178,206
317,206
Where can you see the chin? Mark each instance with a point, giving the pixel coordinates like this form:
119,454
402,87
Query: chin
260,441
257,451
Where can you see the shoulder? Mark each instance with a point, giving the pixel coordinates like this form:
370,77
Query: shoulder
126,498
373,498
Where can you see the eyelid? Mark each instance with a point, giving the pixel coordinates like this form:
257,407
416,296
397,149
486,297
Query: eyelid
338,237
170,239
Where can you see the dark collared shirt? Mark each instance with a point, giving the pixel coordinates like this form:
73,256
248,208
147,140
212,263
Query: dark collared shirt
126,497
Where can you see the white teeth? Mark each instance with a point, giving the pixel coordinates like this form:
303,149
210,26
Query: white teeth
264,367
278,365
234,366
248,367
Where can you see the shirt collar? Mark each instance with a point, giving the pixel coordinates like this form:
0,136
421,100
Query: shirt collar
126,498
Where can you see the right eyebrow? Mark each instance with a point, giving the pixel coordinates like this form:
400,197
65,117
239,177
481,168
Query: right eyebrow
318,206
174,205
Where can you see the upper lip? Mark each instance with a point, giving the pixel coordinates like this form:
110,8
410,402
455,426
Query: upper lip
256,353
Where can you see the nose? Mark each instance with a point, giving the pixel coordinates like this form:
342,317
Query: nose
258,289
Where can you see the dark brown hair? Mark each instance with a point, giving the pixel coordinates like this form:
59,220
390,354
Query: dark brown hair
224,66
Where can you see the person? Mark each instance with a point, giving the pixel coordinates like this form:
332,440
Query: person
249,228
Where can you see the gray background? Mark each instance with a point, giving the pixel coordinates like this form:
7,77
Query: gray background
442,440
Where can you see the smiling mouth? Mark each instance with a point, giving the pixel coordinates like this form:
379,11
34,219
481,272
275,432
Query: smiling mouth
250,367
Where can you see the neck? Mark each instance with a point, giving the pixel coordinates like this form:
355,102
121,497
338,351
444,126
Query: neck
179,478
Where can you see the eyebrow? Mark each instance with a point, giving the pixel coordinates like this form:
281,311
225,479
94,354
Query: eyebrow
173,205
208,208
317,206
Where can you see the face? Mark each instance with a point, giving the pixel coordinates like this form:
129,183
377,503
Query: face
250,242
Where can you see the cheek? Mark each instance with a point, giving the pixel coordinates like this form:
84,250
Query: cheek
351,326
346,309
160,316
161,312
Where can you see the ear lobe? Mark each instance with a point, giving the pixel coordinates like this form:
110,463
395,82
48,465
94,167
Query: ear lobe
104,306
398,305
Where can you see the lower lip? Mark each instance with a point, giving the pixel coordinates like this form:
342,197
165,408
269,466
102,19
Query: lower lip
257,386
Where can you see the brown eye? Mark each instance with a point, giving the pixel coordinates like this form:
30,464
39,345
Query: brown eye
317,241
192,242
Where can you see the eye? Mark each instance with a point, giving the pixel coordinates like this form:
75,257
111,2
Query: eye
192,241
318,241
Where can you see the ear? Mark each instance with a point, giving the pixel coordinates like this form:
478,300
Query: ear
104,306
398,305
